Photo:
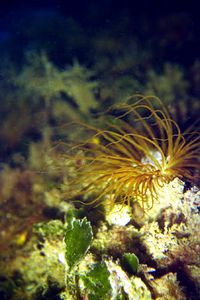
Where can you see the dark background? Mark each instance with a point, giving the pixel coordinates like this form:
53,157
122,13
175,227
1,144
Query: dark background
174,21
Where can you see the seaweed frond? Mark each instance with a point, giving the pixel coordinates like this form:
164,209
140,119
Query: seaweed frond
141,150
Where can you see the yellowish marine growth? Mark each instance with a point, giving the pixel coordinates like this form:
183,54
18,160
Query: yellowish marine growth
141,150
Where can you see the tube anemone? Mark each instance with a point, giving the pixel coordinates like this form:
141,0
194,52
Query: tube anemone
141,149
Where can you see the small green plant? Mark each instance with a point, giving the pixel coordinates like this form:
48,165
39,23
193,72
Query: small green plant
130,262
78,238
97,282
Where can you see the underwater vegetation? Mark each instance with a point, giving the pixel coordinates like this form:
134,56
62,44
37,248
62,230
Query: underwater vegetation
43,80
100,205
129,157
141,149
